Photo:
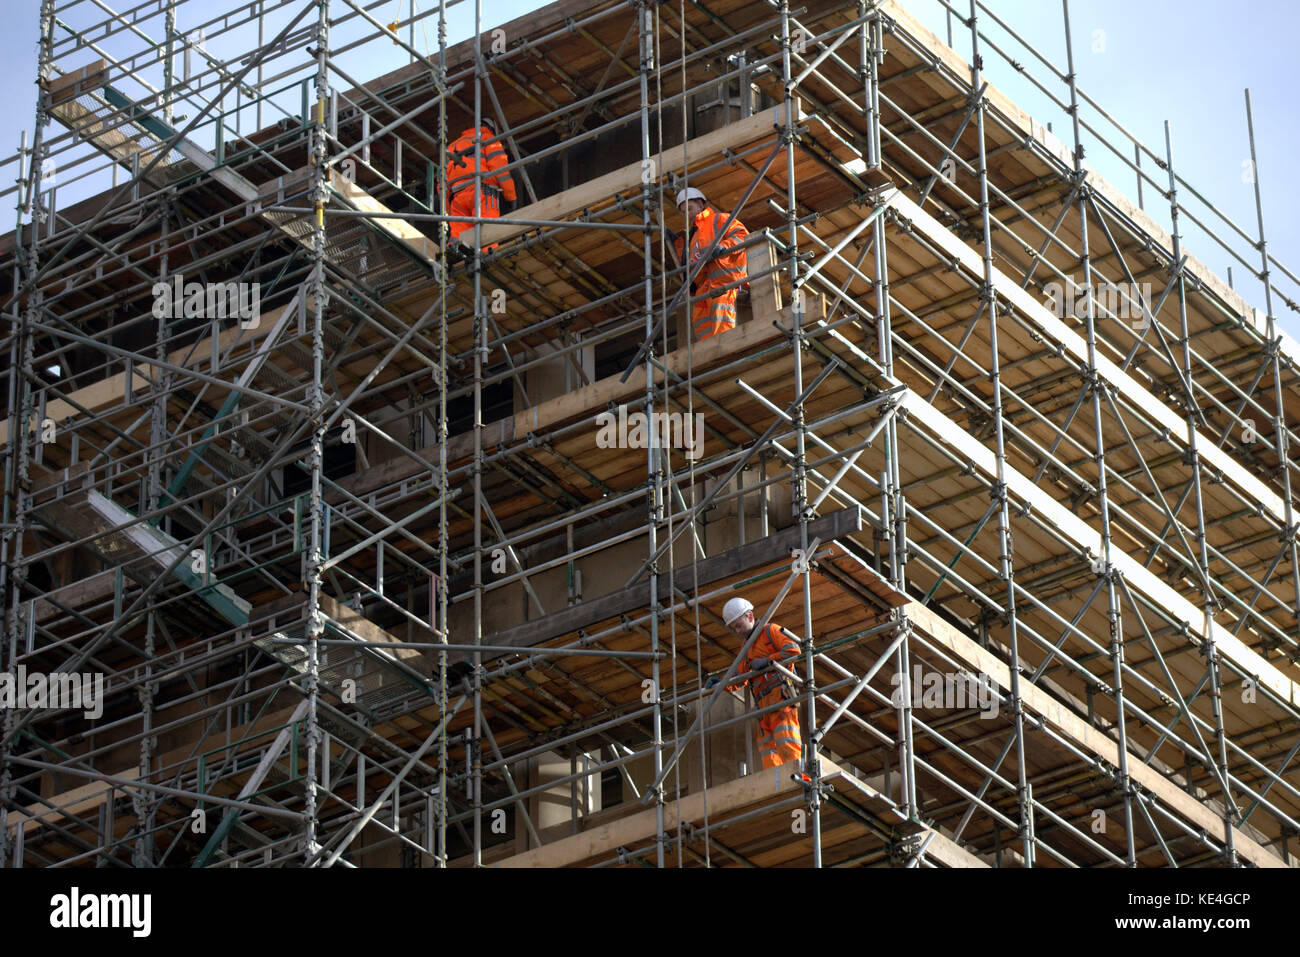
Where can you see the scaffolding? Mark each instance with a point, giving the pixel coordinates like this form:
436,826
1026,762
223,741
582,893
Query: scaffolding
327,511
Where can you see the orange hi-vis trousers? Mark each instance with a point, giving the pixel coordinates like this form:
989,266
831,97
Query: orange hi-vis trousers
714,315
493,184
778,733
462,204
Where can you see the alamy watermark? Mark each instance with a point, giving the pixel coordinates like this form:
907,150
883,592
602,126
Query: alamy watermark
76,691
75,910
667,430
179,299
948,691
1125,300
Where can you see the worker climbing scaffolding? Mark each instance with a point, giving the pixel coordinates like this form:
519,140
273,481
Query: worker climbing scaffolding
715,310
497,185
778,736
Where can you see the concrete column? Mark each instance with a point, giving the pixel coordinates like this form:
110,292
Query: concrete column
365,854
403,429
727,753
558,809
556,376
765,294
723,527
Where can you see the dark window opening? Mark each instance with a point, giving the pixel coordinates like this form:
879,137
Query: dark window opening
340,460
498,402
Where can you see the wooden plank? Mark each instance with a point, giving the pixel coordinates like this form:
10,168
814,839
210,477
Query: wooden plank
1026,124
765,292
74,801
947,852
399,229
89,78
106,392
595,191
112,141
1084,536
1085,734
588,400
1057,331
734,795
366,629
636,597
596,397
78,595
602,840
940,847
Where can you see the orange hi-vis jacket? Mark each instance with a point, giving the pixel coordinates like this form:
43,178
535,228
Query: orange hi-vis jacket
778,731
460,179
717,312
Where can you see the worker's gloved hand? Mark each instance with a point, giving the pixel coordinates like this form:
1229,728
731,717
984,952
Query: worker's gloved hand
712,683
759,664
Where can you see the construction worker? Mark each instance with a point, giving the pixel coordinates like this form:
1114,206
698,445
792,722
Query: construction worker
460,178
778,731
716,312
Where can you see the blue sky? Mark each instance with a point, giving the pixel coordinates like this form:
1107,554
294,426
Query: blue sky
1144,62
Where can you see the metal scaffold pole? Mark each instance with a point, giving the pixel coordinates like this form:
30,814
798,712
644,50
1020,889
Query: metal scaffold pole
1210,605
799,478
654,463
1096,386
989,306
144,803
316,557
439,805
893,498
481,357
17,492
1281,434
169,59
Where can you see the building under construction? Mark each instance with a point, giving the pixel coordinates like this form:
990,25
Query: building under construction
331,523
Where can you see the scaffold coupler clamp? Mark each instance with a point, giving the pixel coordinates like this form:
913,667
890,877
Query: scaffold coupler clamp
1108,773
902,222
906,848
814,788
997,491
435,692
900,411
467,680
881,195
1121,784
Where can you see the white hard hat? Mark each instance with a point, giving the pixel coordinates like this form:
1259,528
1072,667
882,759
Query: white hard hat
690,193
734,608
